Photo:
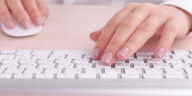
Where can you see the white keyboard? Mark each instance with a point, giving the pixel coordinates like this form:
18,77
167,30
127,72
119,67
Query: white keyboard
45,64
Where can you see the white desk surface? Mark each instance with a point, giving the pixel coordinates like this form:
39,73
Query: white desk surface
68,27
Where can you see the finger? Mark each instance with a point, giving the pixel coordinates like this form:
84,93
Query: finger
43,9
95,35
19,12
143,32
5,16
33,11
109,29
167,38
125,30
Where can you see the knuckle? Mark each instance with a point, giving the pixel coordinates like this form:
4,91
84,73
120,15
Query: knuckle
171,28
115,43
145,28
34,13
4,14
160,12
20,12
131,4
112,22
102,41
127,24
147,6
132,45
165,39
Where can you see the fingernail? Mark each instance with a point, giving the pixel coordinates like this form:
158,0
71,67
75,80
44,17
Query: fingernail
160,52
9,24
107,58
26,24
122,54
43,19
38,21
92,34
95,53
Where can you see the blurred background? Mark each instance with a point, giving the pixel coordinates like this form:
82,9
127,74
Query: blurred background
100,2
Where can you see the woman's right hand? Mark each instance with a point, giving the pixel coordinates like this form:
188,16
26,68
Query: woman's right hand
26,12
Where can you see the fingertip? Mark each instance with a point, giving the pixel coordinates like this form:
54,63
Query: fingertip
9,24
93,37
107,58
26,24
43,18
38,21
123,53
160,52
95,53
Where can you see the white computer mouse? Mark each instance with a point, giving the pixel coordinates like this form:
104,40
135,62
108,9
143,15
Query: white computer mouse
18,31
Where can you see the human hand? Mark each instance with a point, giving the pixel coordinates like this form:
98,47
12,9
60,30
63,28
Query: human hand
130,28
26,12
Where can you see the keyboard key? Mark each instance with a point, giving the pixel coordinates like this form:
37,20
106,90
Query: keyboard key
27,61
133,71
53,70
14,70
175,71
87,76
23,76
65,65
23,57
46,65
141,65
5,61
66,76
43,61
189,75
72,71
92,71
180,65
44,76
9,65
33,70
175,76
112,71
84,65
130,76
155,61
100,65
122,65
2,70
41,52
23,52
153,71
143,56
6,52
161,65
109,76
7,56
5,76
136,60
153,76
174,61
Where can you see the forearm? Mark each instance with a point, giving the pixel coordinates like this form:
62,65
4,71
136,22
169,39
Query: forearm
185,5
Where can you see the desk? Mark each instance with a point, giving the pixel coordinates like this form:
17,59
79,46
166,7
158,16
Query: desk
68,27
